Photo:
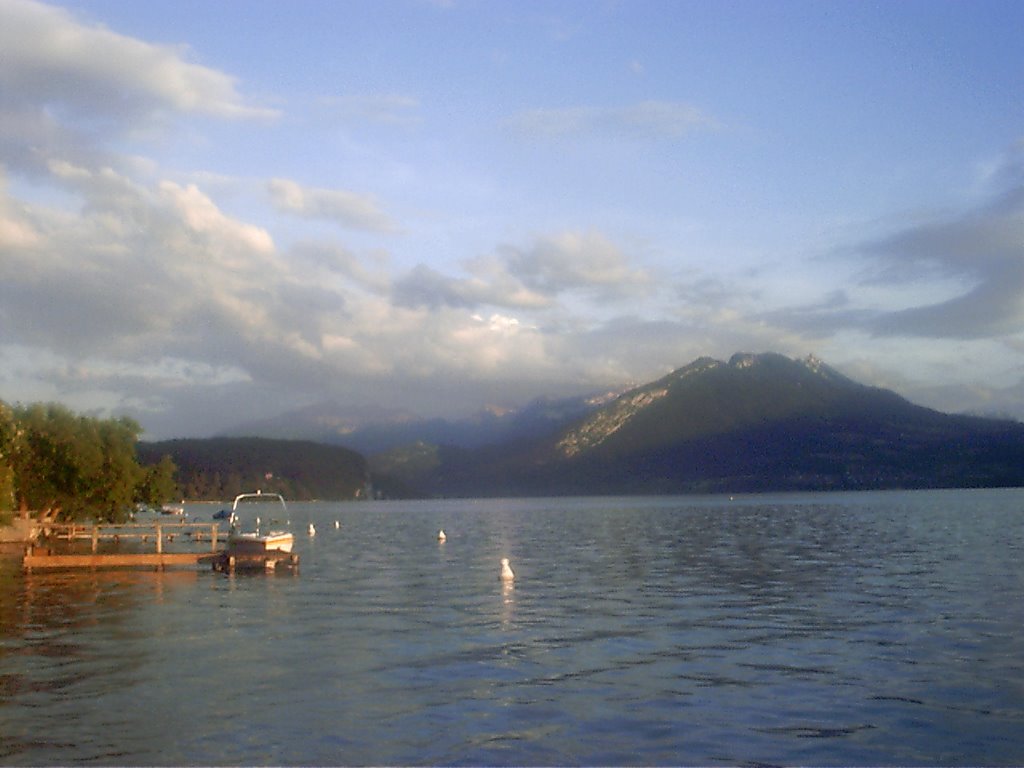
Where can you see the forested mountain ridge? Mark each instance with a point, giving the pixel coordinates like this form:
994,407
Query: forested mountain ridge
218,469
756,422
375,430
709,397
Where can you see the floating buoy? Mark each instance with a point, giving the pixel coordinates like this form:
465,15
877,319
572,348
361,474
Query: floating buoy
507,574
441,536
337,525
312,530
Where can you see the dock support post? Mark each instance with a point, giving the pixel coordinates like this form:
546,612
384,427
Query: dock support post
159,540
95,537
213,537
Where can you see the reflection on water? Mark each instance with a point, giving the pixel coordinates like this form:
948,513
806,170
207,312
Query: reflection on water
826,629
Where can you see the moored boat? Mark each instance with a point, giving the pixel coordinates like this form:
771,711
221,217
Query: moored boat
256,541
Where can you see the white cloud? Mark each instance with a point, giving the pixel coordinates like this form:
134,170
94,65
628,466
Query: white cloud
568,261
16,231
424,286
140,272
531,278
366,271
51,58
130,284
341,206
499,323
235,240
958,276
984,249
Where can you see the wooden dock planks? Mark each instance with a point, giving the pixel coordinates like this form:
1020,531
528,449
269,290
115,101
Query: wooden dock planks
35,559
225,560
220,561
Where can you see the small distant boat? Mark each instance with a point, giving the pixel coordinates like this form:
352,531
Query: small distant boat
224,514
172,509
254,542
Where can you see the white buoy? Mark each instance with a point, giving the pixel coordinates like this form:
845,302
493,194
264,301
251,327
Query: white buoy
441,536
337,525
312,530
507,574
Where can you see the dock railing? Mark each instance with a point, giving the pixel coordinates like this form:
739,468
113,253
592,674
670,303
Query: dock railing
159,532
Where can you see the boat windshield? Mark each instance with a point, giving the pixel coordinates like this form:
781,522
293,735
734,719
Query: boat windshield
259,509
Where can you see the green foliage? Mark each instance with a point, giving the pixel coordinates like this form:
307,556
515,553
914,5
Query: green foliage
158,484
8,433
218,469
80,467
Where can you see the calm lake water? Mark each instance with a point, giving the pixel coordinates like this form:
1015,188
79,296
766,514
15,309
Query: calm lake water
871,628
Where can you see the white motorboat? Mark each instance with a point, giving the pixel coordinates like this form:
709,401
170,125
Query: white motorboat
256,541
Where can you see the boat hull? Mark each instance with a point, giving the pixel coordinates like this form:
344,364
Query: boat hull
251,543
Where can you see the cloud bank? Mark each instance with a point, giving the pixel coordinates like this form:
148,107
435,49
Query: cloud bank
132,285
346,208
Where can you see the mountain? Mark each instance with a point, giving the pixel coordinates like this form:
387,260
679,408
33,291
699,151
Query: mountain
374,430
325,422
754,423
219,469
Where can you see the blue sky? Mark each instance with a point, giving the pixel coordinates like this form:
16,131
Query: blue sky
211,212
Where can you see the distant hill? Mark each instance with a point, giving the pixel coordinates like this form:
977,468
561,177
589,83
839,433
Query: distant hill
325,422
220,468
375,430
756,422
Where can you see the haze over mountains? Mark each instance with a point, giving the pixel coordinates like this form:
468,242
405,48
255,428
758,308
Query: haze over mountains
374,430
754,423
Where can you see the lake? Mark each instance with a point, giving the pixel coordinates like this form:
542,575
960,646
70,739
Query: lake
828,629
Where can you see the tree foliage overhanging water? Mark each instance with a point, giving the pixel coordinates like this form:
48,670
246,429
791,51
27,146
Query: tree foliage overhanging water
55,462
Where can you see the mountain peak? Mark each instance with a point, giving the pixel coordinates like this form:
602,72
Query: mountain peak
813,363
757,422
601,425
743,360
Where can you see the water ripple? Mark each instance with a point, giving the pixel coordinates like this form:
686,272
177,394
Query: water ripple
797,629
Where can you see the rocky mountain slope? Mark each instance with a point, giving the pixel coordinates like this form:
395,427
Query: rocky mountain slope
756,422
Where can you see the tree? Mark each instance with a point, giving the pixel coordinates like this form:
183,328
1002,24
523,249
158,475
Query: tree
79,467
112,486
47,460
157,485
8,436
